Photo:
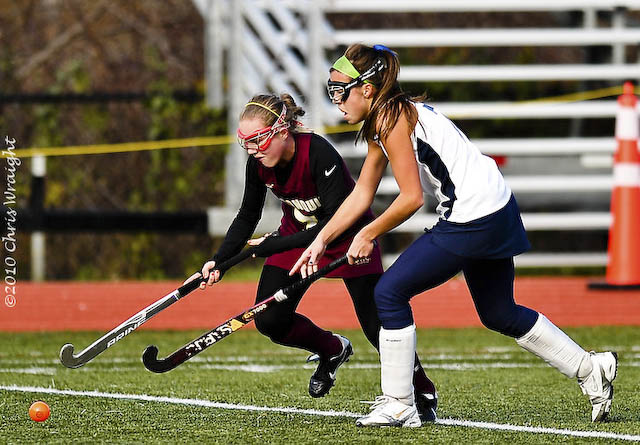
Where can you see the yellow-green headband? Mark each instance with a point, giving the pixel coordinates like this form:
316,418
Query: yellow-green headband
344,66
263,106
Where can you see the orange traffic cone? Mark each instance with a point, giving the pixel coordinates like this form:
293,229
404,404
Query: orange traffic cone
623,268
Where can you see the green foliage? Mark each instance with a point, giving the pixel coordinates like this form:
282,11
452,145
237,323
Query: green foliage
72,76
47,131
481,376
95,120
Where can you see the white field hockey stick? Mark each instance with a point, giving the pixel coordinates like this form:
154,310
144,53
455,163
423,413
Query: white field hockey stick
70,360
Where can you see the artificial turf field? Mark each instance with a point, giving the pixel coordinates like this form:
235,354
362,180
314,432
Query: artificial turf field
220,396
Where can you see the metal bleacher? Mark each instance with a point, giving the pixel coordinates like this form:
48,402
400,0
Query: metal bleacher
286,46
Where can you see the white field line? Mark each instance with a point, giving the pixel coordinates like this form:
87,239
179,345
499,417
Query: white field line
493,353
250,360
539,430
35,370
262,369
449,367
463,366
312,412
458,361
176,401
259,368
253,360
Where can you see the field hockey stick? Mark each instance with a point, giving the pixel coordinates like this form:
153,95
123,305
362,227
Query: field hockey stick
110,338
150,355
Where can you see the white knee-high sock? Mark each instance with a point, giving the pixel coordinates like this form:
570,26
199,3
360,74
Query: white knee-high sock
397,356
555,347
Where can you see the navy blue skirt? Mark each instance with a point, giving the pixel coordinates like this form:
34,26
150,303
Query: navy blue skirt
498,235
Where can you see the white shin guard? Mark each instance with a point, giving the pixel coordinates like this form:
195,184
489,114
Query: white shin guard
553,346
397,356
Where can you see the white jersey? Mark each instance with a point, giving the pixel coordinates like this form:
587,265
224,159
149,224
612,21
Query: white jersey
466,183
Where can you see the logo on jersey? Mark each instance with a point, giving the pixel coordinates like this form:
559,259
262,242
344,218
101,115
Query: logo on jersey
328,172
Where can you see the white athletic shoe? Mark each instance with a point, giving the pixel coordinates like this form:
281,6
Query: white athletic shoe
598,385
387,411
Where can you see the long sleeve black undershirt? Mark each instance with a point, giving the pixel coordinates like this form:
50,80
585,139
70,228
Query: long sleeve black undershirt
332,190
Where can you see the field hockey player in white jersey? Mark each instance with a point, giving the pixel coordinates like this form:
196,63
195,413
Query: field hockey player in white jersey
478,233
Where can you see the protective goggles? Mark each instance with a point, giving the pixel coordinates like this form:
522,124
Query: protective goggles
339,91
260,139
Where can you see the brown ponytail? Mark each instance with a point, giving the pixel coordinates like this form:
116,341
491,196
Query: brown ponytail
389,101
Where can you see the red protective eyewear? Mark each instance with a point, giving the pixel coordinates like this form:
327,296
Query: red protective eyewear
260,139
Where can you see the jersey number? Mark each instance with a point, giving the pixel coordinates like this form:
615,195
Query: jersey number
308,221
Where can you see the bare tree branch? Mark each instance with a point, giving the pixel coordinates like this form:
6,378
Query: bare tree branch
59,42
142,28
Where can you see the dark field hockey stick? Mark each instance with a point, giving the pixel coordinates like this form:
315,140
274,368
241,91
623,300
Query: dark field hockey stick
150,355
110,338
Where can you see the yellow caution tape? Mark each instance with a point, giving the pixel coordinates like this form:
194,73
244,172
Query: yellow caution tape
228,139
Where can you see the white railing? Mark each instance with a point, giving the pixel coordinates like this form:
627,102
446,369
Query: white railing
411,38
525,110
540,259
534,184
532,221
465,6
482,73
519,147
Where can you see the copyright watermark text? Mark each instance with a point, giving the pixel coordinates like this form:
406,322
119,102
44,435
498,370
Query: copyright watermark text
9,241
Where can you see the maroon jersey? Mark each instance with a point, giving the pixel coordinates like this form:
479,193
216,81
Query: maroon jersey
303,205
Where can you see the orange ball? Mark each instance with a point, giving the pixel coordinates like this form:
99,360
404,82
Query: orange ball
39,411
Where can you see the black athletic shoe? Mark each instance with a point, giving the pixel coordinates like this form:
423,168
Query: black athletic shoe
427,404
325,375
